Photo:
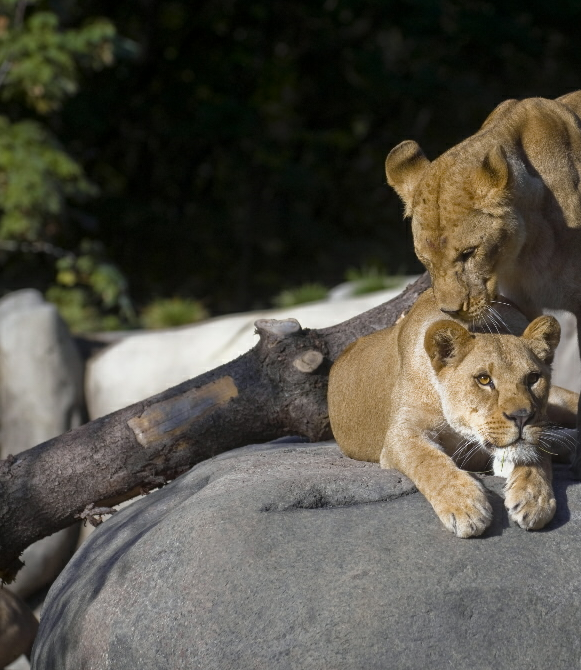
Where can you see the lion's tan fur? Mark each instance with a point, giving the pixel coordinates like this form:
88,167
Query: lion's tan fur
408,397
511,194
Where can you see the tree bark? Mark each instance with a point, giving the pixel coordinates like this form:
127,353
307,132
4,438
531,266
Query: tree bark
277,388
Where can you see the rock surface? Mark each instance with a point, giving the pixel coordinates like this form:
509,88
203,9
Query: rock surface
567,363
41,396
18,627
41,390
292,556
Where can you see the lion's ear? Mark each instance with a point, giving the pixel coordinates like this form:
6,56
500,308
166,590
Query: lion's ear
446,341
404,166
493,175
543,335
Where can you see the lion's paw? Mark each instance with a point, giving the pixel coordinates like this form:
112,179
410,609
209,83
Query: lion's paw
529,500
464,509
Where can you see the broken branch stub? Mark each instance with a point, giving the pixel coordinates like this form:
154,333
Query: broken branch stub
276,329
94,515
309,361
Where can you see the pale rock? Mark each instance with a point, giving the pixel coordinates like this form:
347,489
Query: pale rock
41,396
567,363
146,363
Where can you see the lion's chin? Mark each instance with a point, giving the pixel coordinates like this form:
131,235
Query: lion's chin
519,452
478,311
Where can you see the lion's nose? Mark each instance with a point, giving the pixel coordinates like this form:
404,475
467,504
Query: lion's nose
520,417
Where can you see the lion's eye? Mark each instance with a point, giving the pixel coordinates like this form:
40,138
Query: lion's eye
533,378
484,380
467,253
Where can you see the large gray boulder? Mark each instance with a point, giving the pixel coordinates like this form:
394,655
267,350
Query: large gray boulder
291,556
41,396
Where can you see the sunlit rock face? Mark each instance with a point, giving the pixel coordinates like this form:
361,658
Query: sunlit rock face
294,556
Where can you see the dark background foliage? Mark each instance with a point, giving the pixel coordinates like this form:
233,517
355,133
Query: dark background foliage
240,150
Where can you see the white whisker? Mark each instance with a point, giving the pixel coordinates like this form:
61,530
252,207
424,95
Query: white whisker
490,315
500,302
460,448
554,438
548,446
500,319
475,448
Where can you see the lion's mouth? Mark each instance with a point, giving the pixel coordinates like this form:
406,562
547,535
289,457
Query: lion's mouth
518,452
477,308
479,313
474,317
528,436
519,444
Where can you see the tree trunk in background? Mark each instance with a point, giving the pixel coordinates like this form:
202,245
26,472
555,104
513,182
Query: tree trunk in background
277,388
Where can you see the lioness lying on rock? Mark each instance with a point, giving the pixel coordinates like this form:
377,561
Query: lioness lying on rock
501,211
427,395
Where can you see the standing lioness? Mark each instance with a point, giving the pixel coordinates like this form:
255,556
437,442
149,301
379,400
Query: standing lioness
427,394
501,211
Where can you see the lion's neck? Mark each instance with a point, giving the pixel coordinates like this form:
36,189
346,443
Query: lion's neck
537,282
545,274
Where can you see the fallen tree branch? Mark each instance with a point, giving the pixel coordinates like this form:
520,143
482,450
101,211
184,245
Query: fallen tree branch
277,388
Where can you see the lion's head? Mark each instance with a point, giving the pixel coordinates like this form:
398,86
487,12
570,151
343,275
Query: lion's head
467,210
494,388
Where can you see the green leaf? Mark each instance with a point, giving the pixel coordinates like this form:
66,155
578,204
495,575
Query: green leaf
36,177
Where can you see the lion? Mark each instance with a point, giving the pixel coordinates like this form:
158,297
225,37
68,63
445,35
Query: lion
427,396
501,211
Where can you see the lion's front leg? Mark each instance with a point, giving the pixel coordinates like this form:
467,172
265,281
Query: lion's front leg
529,496
459,500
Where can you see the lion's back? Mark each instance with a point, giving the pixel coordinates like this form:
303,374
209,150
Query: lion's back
360,393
